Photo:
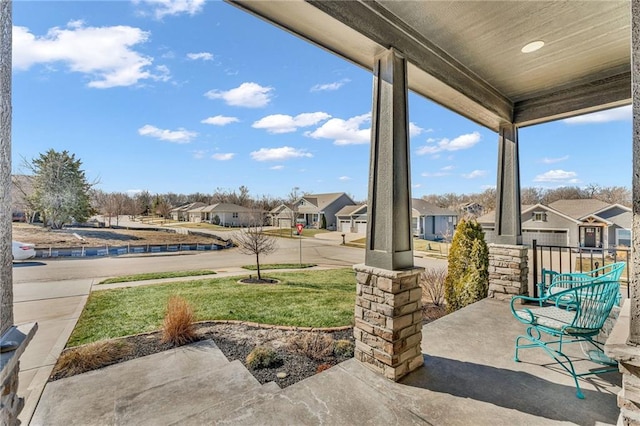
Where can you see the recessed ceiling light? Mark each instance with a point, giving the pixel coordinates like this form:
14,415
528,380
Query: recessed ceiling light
532,47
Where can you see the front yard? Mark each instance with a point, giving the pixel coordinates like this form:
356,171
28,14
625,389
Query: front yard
306,298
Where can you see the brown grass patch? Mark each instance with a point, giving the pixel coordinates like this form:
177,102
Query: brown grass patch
178,328
317,346
91,356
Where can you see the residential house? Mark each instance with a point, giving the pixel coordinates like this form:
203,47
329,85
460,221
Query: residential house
431,222
281,216
181,213
582,222
352,219
472,209
225,214
312,208
428,220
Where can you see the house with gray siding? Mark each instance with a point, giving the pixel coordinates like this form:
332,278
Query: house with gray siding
428,220
311,209
575,223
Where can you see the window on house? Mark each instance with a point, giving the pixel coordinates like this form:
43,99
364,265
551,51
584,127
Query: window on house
623,237
234,215
539,217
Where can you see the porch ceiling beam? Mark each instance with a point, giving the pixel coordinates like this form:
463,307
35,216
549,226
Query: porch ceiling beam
379,25
580,99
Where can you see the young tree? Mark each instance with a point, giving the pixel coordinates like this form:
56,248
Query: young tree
60,188
468,276
253,241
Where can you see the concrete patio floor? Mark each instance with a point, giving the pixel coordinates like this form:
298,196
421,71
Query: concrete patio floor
469,377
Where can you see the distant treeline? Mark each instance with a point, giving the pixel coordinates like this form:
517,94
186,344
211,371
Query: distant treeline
530,196
118,203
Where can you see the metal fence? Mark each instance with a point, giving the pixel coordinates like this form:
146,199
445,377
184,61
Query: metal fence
117,250
565,259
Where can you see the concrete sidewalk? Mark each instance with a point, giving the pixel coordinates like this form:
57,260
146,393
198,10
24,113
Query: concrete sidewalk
469,377
56,307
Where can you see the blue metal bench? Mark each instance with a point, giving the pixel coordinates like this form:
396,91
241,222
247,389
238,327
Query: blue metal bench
551,279
568,314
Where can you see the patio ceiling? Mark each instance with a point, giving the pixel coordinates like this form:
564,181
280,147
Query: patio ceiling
466,55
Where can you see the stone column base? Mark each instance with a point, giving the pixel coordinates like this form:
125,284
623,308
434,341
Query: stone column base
628,358
508,271
388,320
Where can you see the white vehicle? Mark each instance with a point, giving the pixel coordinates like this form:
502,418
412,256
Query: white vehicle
22,251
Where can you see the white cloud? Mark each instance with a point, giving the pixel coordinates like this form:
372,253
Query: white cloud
344,178
205,56
162,8
547,160
559,175
280,167
104,54
447,168
223,157
177,136
279,154
344,132
417,185
415,130
199,154
616,114
249,95
474,174
133,192
329,86
465,141
220,120
281,123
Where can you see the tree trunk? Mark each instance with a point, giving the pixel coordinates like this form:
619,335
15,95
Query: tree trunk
258,265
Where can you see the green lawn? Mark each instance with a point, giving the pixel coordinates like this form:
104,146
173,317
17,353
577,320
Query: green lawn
156,275
280,266
305,298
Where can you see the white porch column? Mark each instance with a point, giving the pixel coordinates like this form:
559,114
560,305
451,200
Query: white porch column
388,313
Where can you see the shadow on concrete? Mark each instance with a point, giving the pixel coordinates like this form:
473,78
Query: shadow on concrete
518,390
25,264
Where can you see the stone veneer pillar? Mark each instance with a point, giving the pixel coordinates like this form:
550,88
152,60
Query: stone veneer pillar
508,271
388,320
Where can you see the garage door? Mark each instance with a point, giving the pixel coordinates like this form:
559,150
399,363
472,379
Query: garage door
345,226
284,223
361,227
544,237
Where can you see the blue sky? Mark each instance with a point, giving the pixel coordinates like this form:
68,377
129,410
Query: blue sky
186,96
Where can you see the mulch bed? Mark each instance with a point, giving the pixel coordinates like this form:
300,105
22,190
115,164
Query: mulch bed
237,340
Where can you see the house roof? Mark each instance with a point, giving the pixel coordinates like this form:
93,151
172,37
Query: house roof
188,206
279,209
426,208
456,51
490,217
320,201
221,208
350,210
578,209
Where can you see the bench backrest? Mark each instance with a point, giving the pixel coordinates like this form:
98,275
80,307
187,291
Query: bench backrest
592,301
